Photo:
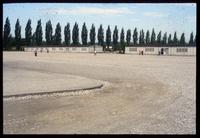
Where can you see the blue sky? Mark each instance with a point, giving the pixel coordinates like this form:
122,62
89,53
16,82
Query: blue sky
167,17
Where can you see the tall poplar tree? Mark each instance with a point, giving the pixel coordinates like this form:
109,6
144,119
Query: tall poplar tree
191,41
122,46
115,38
182,40
175,40
135,36
159,38
92,35
141,37
170,40
75,35
108,36
164,39
101,36
6,34
18,34
28,33
153,37
58,34
34,39
49,32
128,37
84,34
67,34
147,40
38,33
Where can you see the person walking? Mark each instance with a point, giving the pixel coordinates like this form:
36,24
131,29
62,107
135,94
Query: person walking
35,53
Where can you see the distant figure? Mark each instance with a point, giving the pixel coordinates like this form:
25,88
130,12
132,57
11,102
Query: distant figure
95,52
35,53
47,50
142,52
162,50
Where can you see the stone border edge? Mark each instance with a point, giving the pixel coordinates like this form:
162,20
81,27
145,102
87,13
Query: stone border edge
51,92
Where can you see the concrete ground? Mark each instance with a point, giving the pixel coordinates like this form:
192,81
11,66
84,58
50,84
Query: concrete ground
22,82
142,95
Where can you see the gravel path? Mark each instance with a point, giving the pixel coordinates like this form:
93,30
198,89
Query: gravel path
142,95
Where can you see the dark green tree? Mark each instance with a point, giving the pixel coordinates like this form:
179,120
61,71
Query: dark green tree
12,42
17,34
122,37
135,36
182,40
92,35
101,36
170,40
122,46
6,34
54,39
67,34
108,36
159,38
34,39
153,37
84,35
38,33
58,34
75,34
147,40
48,32
175,40
128,37
115,38
28,33
141,37
165,39
191,41
143,40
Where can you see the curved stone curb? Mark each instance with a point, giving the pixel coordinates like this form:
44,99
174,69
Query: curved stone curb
52,92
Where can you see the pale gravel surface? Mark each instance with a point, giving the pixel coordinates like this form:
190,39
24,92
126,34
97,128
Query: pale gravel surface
18,82
142,95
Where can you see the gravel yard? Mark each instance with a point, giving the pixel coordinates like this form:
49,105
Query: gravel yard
141,94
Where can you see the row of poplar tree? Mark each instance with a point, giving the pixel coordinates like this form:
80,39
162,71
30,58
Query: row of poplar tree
138,39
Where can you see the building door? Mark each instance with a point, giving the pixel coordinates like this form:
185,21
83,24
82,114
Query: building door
162,51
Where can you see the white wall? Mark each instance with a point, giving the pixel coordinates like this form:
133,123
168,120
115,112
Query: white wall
191,51
65,49
188,51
